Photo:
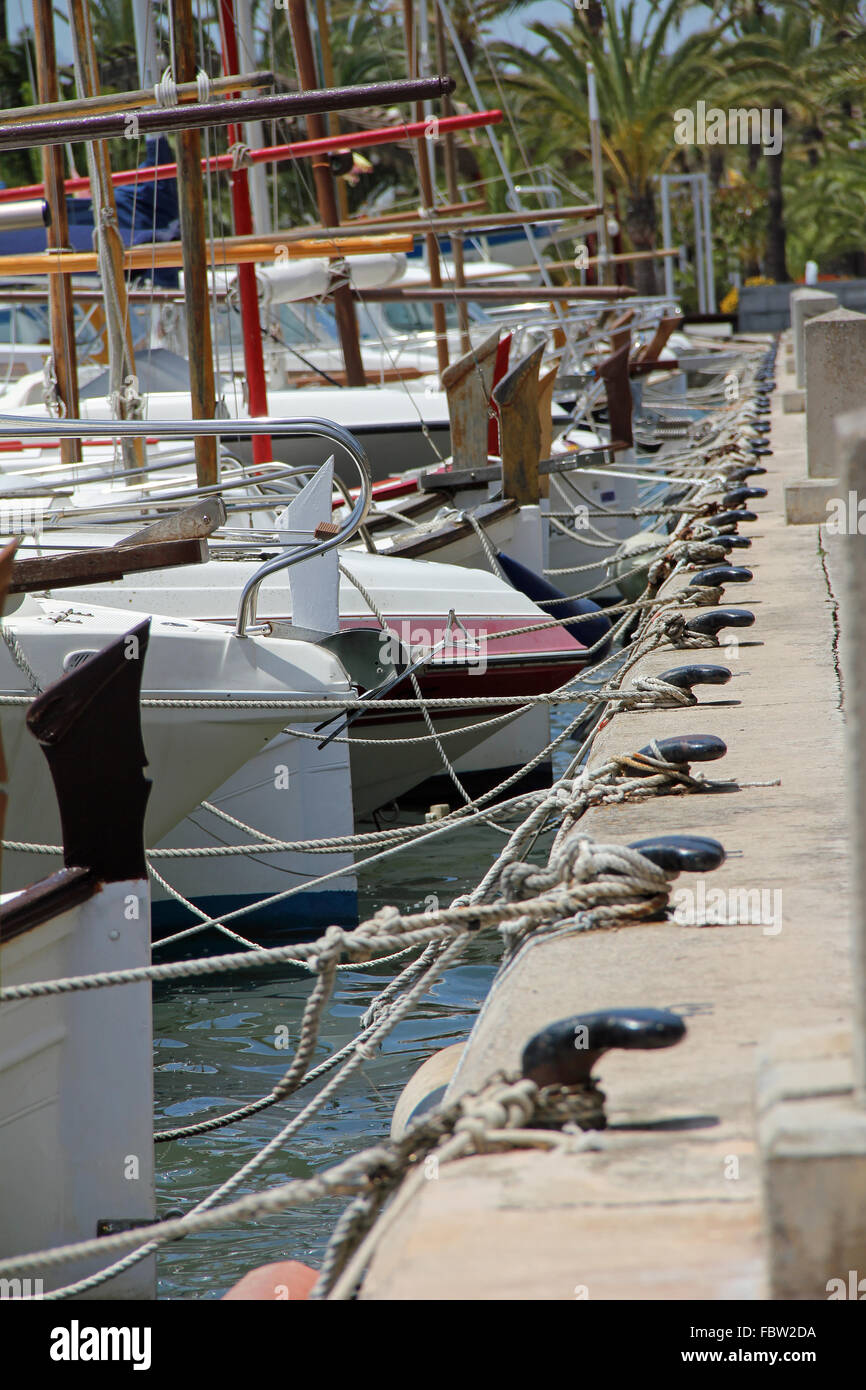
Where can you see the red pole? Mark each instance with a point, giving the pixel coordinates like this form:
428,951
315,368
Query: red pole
274,154
254,361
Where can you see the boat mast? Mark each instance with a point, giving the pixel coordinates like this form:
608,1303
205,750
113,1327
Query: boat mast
255,130
192,231
449,148
123,384
416,62
61,311
144,21
597,174
323,27
242,209
344,304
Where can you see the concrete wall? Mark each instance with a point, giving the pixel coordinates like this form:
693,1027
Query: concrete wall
767,308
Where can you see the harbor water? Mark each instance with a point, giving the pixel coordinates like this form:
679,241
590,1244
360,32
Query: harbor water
220,1044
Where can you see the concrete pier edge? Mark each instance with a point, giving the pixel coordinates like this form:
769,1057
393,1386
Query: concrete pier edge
674,1199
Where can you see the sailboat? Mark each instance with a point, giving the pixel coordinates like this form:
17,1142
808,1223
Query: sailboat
76,1072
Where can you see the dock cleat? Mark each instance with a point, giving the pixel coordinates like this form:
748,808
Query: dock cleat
564,1053
744,471
710,624
683,749
732,518
720,574
742,494
732,542
687,677
725,543
682,854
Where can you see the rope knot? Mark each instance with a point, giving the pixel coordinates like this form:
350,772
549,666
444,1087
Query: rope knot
241,156
165,91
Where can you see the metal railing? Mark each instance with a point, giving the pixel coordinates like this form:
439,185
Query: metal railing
24,427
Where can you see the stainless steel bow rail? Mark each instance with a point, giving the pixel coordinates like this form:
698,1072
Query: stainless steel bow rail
19,427
25,135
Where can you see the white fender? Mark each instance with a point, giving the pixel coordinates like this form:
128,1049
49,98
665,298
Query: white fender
426,1087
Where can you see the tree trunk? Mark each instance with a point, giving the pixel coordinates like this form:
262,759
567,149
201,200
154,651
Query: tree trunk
776,233
716,166
641,224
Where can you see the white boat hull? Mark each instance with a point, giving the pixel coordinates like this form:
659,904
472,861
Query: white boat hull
76,1089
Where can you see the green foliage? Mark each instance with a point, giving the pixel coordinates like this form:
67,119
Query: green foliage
805,57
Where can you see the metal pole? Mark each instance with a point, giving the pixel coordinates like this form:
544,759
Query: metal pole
276,154
62,314
699,246
255,129
242,210
449,149
24,135
708,241
494,143
428,199
344,304
192,223
144,20
666,234
597,172
121,355
323,28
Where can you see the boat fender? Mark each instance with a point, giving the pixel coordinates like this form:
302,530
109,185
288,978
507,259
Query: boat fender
283,1280
594,625
629,565
425,1088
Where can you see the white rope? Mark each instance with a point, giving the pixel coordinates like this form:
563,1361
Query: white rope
165,91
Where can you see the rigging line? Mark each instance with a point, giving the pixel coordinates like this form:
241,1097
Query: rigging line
216,239
427,214
494,142
274,337
503,98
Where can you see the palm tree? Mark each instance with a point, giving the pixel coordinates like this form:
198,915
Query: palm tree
778,66
641,83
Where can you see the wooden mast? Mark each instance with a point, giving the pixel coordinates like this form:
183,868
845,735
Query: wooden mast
323,25
344,304
428,200
121,357
57,235
242,208
450,160
192,227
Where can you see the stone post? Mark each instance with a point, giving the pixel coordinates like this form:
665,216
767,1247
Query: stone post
835,351
806,304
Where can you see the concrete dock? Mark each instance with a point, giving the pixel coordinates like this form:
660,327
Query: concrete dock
666,1203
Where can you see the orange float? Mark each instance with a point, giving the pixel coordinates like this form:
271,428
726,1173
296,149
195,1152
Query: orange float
284,1280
